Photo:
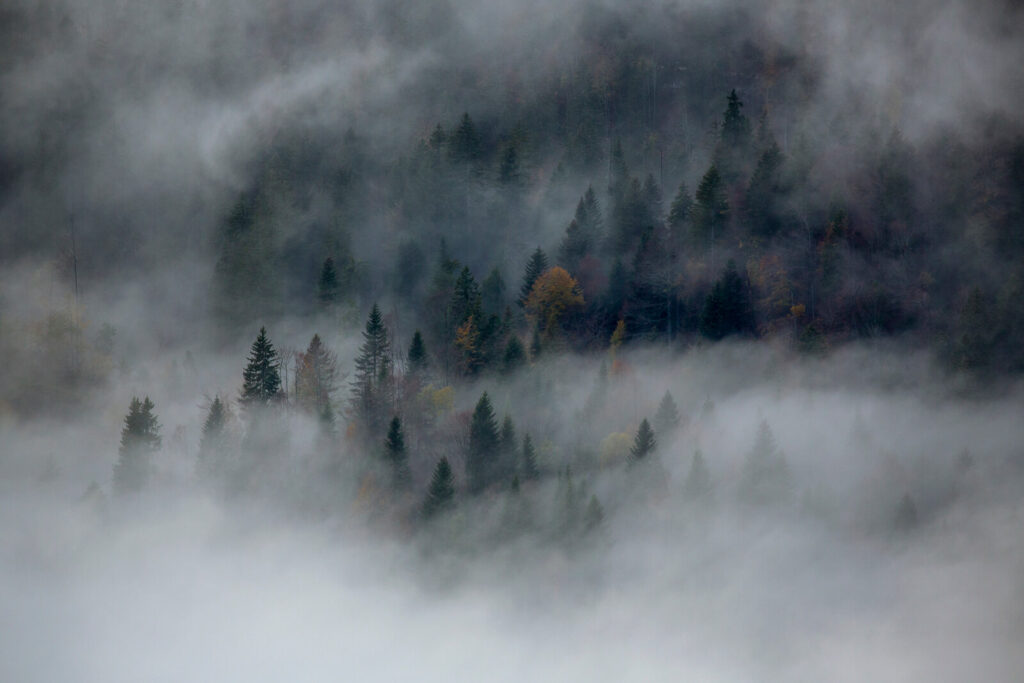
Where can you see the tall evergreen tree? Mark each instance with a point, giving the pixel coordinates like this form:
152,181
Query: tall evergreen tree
417,353
212,441
514,357
140,439
492,293
531,471
764,194
316,377
507,447
728,310
710,210
465,298
535,267
698,479
481,469
464,146
667,418
370,397
441,494
644,443
398,461
261,380
765,475
328,289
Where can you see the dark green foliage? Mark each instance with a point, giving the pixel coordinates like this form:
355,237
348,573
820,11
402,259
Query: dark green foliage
507,447
328,289
417,353
644,443
398,461
679,216
465,298
441,494
140,439
734,142
698,479
370,388
212,441
483,455
261,380
710,211
464,146
535,267
667,419
492,293
764,195
509,172
584,233
514,357
727,310
530,470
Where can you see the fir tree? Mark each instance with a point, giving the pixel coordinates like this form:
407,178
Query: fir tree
140,439
417,353
464,145
764,194
441,494
370,399
710,210
765,475
261,381
531,472
514,356
667,418
465,298
212,441
492,293
507,447
483,447
728,310
398,461
316,377
328,289
509,172
644,443
536,266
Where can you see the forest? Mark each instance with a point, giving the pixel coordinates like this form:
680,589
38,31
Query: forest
522,319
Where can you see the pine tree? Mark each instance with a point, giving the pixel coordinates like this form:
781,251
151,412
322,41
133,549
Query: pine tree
328,289
537,264
507,447
728,310
761,203
465,298
644,443
394,448
698,479
212,441
464,145
735,125
710,210
370,399
261,381
765,474
679,216
531,472
441,494
667,418
316,376
514,357
483,452
492,293
509,172
417,353
140,439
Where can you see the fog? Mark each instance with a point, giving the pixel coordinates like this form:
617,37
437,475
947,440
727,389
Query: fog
836,493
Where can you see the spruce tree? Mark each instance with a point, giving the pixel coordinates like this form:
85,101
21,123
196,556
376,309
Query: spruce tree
261,381
507,447
316,377
370,399
328,289
398,461
667,418
535,267
710,210
140,439
514,356
212,441
727,309
441,493
483,446
698,479
464,145
765,474
761,204
465,298
531,472
644,443
417,353
492,293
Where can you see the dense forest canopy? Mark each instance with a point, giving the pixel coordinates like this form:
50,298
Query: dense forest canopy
501,306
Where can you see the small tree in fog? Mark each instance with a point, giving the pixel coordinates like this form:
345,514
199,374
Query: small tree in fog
316,377
140,439
261,380
644,443
370,400
698,479
507,447
213,441
765,476
398,461
531,472
328,289
537,264
514,357
441,494
483,446
417,357
667,418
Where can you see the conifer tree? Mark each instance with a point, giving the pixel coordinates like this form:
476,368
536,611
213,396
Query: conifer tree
667,418
212,441
761,203
370,399
483,447
417,353
644,443
465,298
514,357
531,472
535,346
537,264
140,439
464,145
441,493
765,474
710,211
328,289
507,447
492,293
594,515
509,172
398,461
728,310
261,381
316,376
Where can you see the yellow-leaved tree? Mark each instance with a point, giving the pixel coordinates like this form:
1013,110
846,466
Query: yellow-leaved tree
554,294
